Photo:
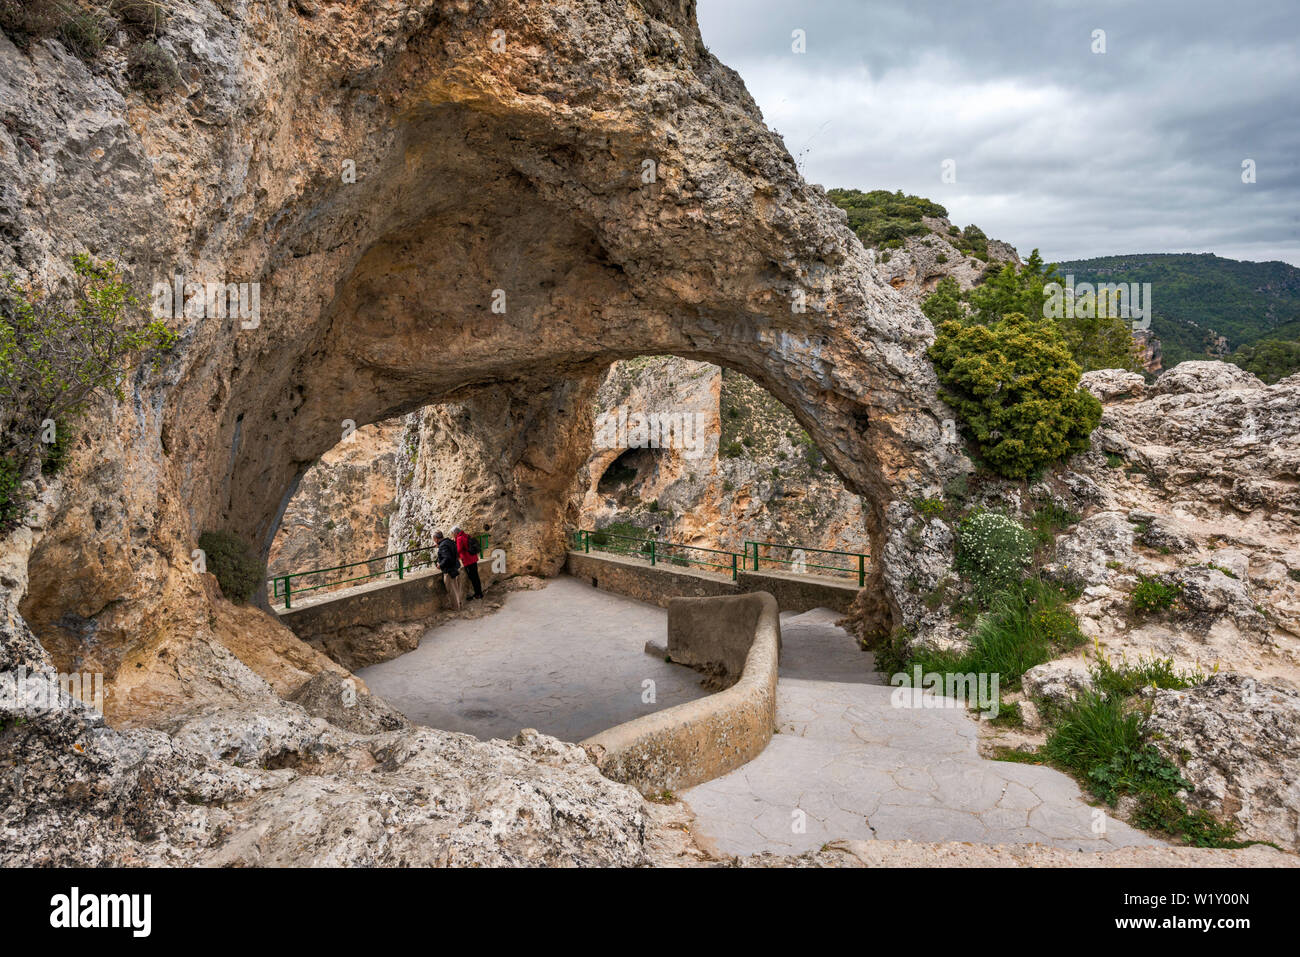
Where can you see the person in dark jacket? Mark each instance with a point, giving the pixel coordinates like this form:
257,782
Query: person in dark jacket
449,565
467,552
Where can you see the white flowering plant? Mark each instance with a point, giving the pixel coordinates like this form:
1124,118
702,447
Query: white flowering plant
992,551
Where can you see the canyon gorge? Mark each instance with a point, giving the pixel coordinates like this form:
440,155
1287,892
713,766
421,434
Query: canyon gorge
463,261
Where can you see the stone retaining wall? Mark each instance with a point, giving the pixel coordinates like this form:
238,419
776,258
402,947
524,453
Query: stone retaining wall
419,596
694,742
658,584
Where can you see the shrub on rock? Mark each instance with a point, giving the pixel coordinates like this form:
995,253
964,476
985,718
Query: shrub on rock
1016,389
238,570
992,551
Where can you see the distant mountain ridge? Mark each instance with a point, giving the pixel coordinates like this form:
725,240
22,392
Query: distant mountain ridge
1205,306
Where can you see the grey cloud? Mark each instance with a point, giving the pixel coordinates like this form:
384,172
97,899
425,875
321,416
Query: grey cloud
1136,150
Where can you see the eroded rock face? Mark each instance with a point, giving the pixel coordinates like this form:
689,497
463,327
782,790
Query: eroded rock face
750,471
477,171
508,178
1234,738
341,510
501,464
916,268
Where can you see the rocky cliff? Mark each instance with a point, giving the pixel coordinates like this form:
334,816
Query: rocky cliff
470,205
342,508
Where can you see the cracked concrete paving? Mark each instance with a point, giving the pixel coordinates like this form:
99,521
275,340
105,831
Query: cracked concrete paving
565,659
848,765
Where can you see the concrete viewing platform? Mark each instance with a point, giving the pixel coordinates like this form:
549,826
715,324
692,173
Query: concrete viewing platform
846,762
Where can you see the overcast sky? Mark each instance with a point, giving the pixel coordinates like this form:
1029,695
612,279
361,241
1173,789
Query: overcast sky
1138,149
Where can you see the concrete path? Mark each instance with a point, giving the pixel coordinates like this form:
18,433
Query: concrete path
846,764
566,659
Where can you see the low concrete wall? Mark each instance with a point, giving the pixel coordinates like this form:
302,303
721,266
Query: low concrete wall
713,635
697,741
658,584
420,595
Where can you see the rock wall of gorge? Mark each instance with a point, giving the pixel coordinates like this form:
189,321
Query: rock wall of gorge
430,217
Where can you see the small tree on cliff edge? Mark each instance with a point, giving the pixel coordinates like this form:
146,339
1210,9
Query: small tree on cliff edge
1015,387
58,351
1096,338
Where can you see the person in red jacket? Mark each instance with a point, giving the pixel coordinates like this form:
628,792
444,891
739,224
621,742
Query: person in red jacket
467,549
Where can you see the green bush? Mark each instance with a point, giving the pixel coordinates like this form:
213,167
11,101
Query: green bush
992,551
1016,390
1101,740
882,219
238,570
929,508
1125,680
60,349
11,499
1153,596
54,453
1270,359
1028,624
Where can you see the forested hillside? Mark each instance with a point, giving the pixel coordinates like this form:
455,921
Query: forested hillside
1199,297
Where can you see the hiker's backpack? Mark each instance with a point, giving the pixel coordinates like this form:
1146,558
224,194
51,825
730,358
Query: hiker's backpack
472,546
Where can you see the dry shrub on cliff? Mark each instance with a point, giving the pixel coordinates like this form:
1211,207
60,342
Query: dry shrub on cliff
238,571
84,26
27,20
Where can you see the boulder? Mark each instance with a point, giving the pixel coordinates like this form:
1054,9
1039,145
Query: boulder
1081,555
1110,385
1057,682
1236,739
1205,376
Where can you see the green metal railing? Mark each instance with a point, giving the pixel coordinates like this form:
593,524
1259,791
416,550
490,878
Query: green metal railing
397,563
856,564
661,552
658,552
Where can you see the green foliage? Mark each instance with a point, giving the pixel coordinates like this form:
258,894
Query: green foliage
1270,359
1152,596
61,349
1101,736
1125,680
992,551
152,69
946,303
883,219
1166,812
1016,389
1028,623
1095,341
1245,302
84,30
11,500
929,507
54,453
238,570
973,242
1049,519
1101,740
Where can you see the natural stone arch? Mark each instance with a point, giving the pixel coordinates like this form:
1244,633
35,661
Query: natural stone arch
479,170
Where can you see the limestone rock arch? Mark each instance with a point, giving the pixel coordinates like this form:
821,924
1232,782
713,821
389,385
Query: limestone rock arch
485,173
